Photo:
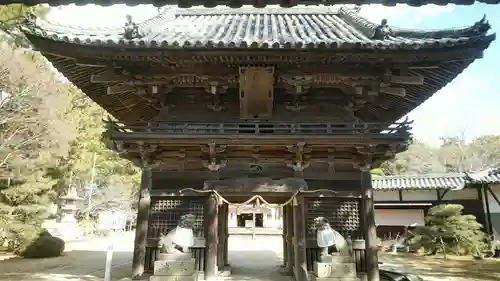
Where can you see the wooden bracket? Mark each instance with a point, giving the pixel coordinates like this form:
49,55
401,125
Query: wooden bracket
216,90
299,164
331,160
212,150
145,155
296,105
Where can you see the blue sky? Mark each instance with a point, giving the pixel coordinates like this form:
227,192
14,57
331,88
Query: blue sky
470,105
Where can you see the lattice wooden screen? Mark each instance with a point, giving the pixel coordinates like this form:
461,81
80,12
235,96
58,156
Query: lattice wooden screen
166,212
342,213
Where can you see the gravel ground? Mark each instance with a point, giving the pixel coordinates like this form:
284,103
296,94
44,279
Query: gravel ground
258,260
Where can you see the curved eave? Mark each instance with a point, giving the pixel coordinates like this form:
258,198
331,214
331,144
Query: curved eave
129,108
239,3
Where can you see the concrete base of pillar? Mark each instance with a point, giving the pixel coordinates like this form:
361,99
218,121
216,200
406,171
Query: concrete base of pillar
362,277
225,271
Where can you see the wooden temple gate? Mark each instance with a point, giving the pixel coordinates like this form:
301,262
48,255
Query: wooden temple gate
309,93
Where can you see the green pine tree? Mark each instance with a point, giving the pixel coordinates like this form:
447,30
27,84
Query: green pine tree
448,230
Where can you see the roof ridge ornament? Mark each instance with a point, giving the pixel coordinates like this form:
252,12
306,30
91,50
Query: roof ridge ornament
382,31
131,29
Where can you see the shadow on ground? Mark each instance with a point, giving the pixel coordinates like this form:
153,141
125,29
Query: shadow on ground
437,268
74,265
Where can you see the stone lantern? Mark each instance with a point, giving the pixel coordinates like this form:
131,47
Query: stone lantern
69,228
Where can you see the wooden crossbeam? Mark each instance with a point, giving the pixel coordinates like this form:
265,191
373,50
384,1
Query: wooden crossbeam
407,80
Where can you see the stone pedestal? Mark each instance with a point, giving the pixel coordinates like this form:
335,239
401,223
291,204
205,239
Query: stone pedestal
175,267
335,268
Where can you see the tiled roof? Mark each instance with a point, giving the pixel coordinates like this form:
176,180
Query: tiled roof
239,3
488,176
299,27
426,181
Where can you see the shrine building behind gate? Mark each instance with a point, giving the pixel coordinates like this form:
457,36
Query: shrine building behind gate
271,102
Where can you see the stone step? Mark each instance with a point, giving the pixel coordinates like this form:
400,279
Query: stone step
174,257
193,277
347,270
177,268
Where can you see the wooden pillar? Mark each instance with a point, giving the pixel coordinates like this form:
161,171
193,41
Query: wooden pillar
226,235
211,239
221,233
285,244
289,238
486,200
141,231
370,229
299,224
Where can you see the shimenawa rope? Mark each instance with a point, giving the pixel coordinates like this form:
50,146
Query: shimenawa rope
256,197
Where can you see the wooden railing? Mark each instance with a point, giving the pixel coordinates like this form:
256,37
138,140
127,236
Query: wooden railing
398,129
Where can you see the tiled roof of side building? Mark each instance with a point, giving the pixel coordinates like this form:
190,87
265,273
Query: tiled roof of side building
239,3
278,28
452,181
488,176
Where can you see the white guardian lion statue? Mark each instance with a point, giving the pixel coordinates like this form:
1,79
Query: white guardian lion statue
328,237
179,239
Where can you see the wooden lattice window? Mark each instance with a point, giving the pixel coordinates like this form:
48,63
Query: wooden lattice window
342,213
166,212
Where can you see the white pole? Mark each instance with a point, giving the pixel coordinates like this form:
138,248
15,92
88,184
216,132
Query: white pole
109,258
91,191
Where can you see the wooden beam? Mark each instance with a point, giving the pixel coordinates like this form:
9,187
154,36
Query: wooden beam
142,223
242,155
399,92
444,193
181,55
370,228
257,140
279,173
211,237
162,192
407,80
120,89
109,76
256,185
493,194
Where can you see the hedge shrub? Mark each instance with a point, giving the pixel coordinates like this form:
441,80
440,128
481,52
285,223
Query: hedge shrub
44,246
